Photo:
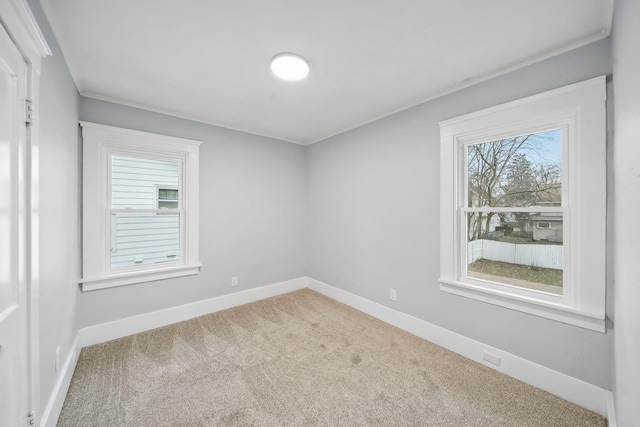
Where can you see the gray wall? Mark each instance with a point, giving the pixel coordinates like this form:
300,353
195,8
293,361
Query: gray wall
59,205
373,196
358,211
626,229
252,215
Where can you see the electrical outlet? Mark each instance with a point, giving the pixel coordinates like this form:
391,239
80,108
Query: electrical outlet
392,294
234,281
57,358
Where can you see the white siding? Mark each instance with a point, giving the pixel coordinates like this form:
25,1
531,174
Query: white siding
142,238
135,181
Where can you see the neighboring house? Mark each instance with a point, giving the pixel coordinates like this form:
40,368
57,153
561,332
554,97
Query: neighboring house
547,226
149,236
495,222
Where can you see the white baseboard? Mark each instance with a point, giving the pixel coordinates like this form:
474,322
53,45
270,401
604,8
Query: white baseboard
564,386
611,410
132,325
579,392
54,406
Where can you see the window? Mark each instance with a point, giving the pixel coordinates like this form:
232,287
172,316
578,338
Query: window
507,181
167,198
138,234
523,205
140,207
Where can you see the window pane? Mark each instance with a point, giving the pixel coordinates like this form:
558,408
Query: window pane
144,238
516,172
134,181
167,194
516,248
167,204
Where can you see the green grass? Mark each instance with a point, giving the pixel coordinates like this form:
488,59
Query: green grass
548,276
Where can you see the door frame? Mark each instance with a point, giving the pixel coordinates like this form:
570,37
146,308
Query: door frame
18,20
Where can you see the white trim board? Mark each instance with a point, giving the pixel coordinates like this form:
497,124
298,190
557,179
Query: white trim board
574,390
143,322
579,392
611,410
51,412
132,325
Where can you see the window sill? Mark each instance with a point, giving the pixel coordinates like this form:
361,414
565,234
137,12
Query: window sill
558,312
130,278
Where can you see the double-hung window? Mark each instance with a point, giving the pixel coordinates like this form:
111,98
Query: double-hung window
523,203
140,206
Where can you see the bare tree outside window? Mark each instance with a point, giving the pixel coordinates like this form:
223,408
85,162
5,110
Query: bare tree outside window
508,242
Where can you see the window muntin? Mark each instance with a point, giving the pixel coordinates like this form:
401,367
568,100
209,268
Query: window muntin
504,246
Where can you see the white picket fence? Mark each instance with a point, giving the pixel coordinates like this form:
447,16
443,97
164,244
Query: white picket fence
544,256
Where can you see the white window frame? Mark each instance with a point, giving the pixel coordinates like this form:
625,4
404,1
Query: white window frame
579,111
100,143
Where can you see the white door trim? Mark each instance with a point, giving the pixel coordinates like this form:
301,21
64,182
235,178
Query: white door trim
19,21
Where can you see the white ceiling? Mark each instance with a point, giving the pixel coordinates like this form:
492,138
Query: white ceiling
208,60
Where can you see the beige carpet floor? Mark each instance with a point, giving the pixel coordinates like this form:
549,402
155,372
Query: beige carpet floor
299,359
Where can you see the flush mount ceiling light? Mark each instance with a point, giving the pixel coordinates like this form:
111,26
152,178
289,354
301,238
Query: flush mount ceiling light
289,66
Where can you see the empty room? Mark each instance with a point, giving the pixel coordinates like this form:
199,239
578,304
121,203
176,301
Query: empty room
344,213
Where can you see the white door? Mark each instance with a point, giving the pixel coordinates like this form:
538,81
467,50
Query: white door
13,267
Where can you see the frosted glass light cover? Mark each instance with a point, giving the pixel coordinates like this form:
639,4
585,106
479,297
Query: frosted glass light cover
289,66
